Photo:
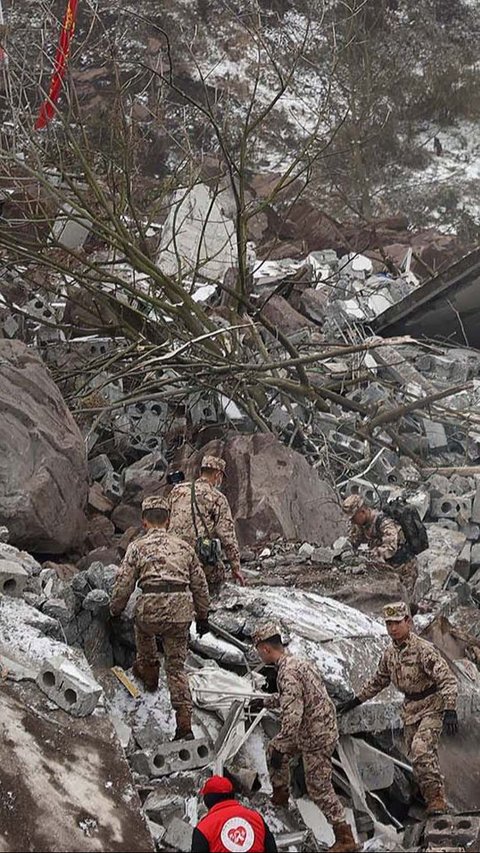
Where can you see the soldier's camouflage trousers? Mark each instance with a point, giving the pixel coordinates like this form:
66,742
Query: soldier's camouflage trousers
174,637
408,573
215,576
421,741
318,779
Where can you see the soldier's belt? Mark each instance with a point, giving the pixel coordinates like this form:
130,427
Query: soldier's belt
415,697
153,589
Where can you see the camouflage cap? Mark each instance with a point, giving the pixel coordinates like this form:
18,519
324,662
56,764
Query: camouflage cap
395,612
352,504
214,462
265,632
155,502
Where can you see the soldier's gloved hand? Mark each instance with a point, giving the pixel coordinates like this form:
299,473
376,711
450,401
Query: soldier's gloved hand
276,759
255,706
450,722
349,705
202,626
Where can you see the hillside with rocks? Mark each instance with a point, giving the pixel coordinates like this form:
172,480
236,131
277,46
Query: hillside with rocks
249,231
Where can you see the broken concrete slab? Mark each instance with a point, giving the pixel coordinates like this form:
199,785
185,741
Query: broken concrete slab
13,578
179,835
444,546
69,687
70,787
197,235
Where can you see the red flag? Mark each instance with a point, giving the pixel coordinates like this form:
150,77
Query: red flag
47,110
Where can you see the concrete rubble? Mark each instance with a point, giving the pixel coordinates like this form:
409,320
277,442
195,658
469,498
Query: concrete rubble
399,421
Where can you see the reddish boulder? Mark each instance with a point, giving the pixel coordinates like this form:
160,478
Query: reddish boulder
43,466
273,491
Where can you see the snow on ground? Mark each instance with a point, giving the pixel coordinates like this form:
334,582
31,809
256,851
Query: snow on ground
25,630
451,180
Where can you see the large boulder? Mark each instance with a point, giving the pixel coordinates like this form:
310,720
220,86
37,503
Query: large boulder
43,468
273,491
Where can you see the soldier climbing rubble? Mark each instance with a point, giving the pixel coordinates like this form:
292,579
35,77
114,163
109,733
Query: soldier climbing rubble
417,669
200,514
384,537
174,590
308,726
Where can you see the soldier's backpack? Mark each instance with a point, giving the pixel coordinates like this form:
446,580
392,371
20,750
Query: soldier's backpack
414,530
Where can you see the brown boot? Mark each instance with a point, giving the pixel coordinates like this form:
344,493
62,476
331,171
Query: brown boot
184,724
436,802
280,797
148,673
344,840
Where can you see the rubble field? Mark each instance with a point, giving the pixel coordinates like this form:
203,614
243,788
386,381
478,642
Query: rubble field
315,390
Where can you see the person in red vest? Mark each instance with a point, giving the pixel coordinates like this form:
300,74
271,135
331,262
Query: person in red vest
229,827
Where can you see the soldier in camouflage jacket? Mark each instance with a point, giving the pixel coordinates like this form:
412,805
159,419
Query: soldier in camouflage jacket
383,536
206,512
174,591
308,726
416,668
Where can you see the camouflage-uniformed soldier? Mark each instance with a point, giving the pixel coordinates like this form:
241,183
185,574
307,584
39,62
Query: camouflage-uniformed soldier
417,669
199,509
383,536
174,591
308,726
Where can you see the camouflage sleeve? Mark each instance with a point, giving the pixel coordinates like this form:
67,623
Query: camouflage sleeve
225,530
125,581
291,709
439,671
389,532
199,587
356,536
377,682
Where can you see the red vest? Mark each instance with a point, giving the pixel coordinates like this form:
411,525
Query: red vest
229,827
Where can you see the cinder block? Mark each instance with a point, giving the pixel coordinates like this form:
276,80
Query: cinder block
12,578
172,757
450,506
435,434
68,686
99,466
453,831
112,485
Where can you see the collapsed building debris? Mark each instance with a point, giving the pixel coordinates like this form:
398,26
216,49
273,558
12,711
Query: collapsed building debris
335,412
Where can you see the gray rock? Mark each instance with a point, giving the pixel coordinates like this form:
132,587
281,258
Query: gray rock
340,545
325,556
56,608
306,550
97,600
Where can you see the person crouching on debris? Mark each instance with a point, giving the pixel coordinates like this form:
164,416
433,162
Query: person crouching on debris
174,591
384,537
308,726
417,669
229,826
